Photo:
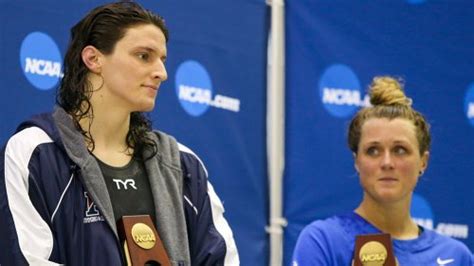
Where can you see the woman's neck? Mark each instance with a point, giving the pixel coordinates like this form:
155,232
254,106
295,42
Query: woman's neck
392,218
108,127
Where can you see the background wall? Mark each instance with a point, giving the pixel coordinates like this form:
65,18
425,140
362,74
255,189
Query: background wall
214,99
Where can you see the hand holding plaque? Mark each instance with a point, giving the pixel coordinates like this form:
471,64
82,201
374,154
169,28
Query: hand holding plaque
374,250
141,242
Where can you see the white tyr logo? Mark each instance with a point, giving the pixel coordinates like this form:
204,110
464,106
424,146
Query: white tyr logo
125,183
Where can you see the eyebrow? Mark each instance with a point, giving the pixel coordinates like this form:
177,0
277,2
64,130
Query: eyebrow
378,142
150,49
371,143
401,142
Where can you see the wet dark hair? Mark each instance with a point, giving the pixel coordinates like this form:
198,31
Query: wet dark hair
389,101
102,28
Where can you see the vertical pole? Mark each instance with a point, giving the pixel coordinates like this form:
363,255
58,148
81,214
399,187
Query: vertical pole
276,129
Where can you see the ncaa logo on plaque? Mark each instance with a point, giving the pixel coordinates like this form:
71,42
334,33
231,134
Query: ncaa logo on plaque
340,92
40,60
469,104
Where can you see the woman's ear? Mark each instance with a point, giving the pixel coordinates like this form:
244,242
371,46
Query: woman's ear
355,162
424,161
91,57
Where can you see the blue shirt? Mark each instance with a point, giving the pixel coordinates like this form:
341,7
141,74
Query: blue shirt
331,242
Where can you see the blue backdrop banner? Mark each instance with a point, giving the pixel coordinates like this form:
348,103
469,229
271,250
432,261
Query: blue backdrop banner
214,99
334,49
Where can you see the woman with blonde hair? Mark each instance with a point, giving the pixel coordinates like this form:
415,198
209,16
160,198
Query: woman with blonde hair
390,142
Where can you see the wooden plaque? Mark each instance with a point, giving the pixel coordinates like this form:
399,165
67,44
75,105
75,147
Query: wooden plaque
141,242
374,250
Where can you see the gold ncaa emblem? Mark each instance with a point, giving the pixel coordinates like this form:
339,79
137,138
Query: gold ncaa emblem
373,253
143,236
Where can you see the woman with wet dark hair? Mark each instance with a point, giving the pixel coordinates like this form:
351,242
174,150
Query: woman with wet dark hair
102,29
67,177
390,142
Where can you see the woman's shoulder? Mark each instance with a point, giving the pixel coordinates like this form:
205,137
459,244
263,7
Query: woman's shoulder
433,248
445,242
327,241
328,222
347,225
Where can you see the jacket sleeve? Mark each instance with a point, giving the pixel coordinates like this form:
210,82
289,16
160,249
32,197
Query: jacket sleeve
210,236
25,237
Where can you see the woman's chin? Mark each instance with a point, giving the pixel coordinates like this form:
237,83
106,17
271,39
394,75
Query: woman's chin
146,107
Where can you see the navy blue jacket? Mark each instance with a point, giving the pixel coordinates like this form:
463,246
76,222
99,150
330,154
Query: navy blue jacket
55,208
